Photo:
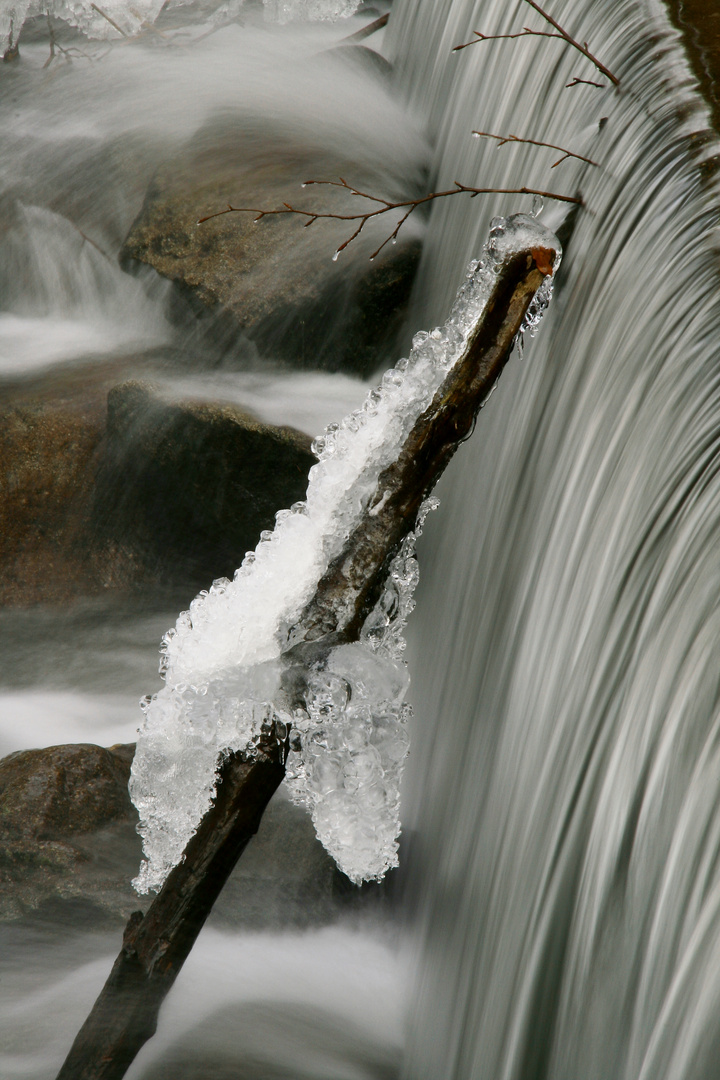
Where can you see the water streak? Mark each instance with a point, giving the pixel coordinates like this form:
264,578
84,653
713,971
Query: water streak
565,795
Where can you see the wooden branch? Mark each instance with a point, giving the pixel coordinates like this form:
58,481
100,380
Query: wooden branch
560,33
155,946
504,139
385,207
354,581
366,31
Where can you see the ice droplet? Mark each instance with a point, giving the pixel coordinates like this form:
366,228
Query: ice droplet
335,256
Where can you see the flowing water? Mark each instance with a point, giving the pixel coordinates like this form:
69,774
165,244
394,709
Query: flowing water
561,875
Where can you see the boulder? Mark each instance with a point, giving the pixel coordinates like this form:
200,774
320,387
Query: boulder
187,487
68,836
111,493
62,811
48,456
274,282
52,793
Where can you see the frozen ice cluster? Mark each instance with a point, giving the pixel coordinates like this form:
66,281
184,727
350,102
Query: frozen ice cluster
108,19
225,662
284,11
100,19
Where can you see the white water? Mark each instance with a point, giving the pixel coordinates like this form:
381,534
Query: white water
566,796
563,789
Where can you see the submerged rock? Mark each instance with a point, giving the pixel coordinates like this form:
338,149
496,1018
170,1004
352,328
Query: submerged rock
274,281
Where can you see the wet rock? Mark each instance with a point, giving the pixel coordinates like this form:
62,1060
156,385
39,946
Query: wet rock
113,494
699,23
68,836
274,282
49,794
187,487
48,452
61,810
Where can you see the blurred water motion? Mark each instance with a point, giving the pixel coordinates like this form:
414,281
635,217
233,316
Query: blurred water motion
562,805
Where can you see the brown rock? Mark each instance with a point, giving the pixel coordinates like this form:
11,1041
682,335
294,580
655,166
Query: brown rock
62,811
138,492
187,487
48,453
275,280
53,793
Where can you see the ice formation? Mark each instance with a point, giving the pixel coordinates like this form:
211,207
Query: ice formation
223,661
284,11
109,19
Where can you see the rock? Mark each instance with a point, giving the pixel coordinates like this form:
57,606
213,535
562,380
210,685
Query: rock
113,494
187,487
48,452
68,836
52,793
274,282
62,809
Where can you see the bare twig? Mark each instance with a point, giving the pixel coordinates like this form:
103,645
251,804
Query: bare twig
562,34
107,17
67,54
525,32
503,139
585,82
385,207
366,31
576,44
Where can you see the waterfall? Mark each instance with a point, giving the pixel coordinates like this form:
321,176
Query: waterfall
563,806
560,850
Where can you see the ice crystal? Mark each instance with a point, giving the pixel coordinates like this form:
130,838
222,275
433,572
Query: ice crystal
226,659
112,19
284,11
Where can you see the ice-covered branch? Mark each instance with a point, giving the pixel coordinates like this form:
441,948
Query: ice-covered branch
296,665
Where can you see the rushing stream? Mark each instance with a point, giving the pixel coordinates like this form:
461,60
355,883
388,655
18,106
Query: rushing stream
558,907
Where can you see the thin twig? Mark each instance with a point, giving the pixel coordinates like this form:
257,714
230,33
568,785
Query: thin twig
385,207
68,54
525,32
503,139
584,82
576,44
89,240
107,17
562,34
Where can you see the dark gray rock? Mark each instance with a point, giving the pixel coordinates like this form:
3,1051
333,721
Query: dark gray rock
187,487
